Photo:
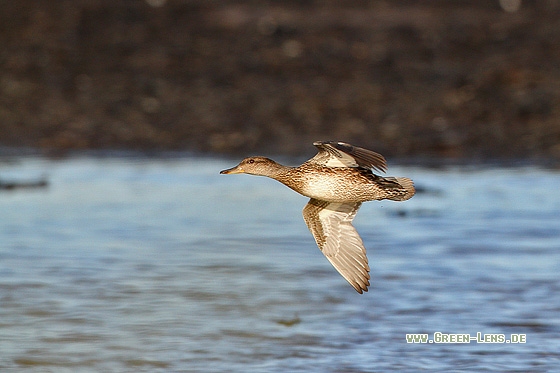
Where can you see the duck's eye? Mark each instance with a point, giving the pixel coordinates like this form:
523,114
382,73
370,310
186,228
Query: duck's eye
251,161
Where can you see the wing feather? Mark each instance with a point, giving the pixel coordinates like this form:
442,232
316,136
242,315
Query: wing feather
341,154
331,226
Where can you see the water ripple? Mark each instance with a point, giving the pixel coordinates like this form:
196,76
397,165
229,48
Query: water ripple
164,265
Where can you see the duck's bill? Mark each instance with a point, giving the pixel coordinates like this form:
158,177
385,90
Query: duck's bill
233,170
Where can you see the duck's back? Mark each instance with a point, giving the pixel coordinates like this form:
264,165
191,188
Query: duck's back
346,184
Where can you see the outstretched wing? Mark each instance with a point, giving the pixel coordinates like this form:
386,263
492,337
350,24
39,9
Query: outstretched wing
341,154
331,225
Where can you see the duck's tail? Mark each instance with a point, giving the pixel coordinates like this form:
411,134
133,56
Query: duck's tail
408,185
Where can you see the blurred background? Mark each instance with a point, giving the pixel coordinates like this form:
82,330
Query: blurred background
468,78
122,248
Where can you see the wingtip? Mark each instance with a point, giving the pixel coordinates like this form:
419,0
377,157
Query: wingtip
361,290
360,286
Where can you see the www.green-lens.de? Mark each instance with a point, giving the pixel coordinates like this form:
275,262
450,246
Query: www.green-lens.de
439,337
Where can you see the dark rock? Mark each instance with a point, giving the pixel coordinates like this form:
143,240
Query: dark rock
461,79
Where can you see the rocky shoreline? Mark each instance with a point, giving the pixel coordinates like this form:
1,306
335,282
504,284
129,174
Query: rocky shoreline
448,79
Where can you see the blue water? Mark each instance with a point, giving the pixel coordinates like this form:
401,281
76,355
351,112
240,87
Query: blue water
163,265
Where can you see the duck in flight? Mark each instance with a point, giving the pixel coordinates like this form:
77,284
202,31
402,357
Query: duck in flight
338,179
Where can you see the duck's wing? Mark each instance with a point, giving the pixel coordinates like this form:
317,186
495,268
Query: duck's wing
341,154
331,225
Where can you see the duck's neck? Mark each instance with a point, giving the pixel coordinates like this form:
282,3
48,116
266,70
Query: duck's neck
290,177
280,173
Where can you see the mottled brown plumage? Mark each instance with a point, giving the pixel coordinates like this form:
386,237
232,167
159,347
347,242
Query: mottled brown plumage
338,179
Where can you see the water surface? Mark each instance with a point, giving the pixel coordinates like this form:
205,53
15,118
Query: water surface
163,265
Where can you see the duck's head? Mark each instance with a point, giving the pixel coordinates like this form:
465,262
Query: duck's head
254,166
